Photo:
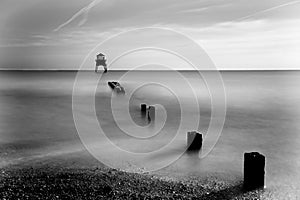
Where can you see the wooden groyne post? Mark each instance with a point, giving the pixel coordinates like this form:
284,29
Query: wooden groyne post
116,86
194,141
143,108
151,113
254,170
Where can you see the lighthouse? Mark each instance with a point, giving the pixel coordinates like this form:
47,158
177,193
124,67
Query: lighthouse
101,61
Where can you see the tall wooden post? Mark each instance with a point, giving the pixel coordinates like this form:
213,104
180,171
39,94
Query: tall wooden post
254,171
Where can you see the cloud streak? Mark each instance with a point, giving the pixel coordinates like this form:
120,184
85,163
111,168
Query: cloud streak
82,12
268,10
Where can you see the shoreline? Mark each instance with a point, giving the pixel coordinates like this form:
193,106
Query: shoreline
42,180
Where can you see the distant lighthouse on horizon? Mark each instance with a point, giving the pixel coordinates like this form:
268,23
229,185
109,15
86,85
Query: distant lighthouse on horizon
101,61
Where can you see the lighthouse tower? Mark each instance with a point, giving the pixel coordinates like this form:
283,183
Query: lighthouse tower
101,61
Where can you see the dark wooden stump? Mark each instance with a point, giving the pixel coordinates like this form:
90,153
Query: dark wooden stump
254,171
194,141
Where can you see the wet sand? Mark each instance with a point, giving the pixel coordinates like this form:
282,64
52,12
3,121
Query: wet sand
67,177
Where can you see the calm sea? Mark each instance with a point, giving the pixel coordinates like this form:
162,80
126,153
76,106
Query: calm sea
263,114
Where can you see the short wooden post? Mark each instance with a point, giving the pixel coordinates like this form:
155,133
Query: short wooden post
151,113
254,170
143,107
194,141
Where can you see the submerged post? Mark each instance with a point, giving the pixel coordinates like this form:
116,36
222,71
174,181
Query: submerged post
116,86
151,113
194,141
254,171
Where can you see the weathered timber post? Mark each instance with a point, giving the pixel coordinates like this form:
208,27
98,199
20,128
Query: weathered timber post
194,141
151,113
254,171
143,107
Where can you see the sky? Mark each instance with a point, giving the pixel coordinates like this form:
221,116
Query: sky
236,34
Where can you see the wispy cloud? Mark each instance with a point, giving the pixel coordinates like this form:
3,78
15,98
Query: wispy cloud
235,32
268,10
196,10
82,12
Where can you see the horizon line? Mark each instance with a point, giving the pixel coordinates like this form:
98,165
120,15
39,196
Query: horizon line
125,70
